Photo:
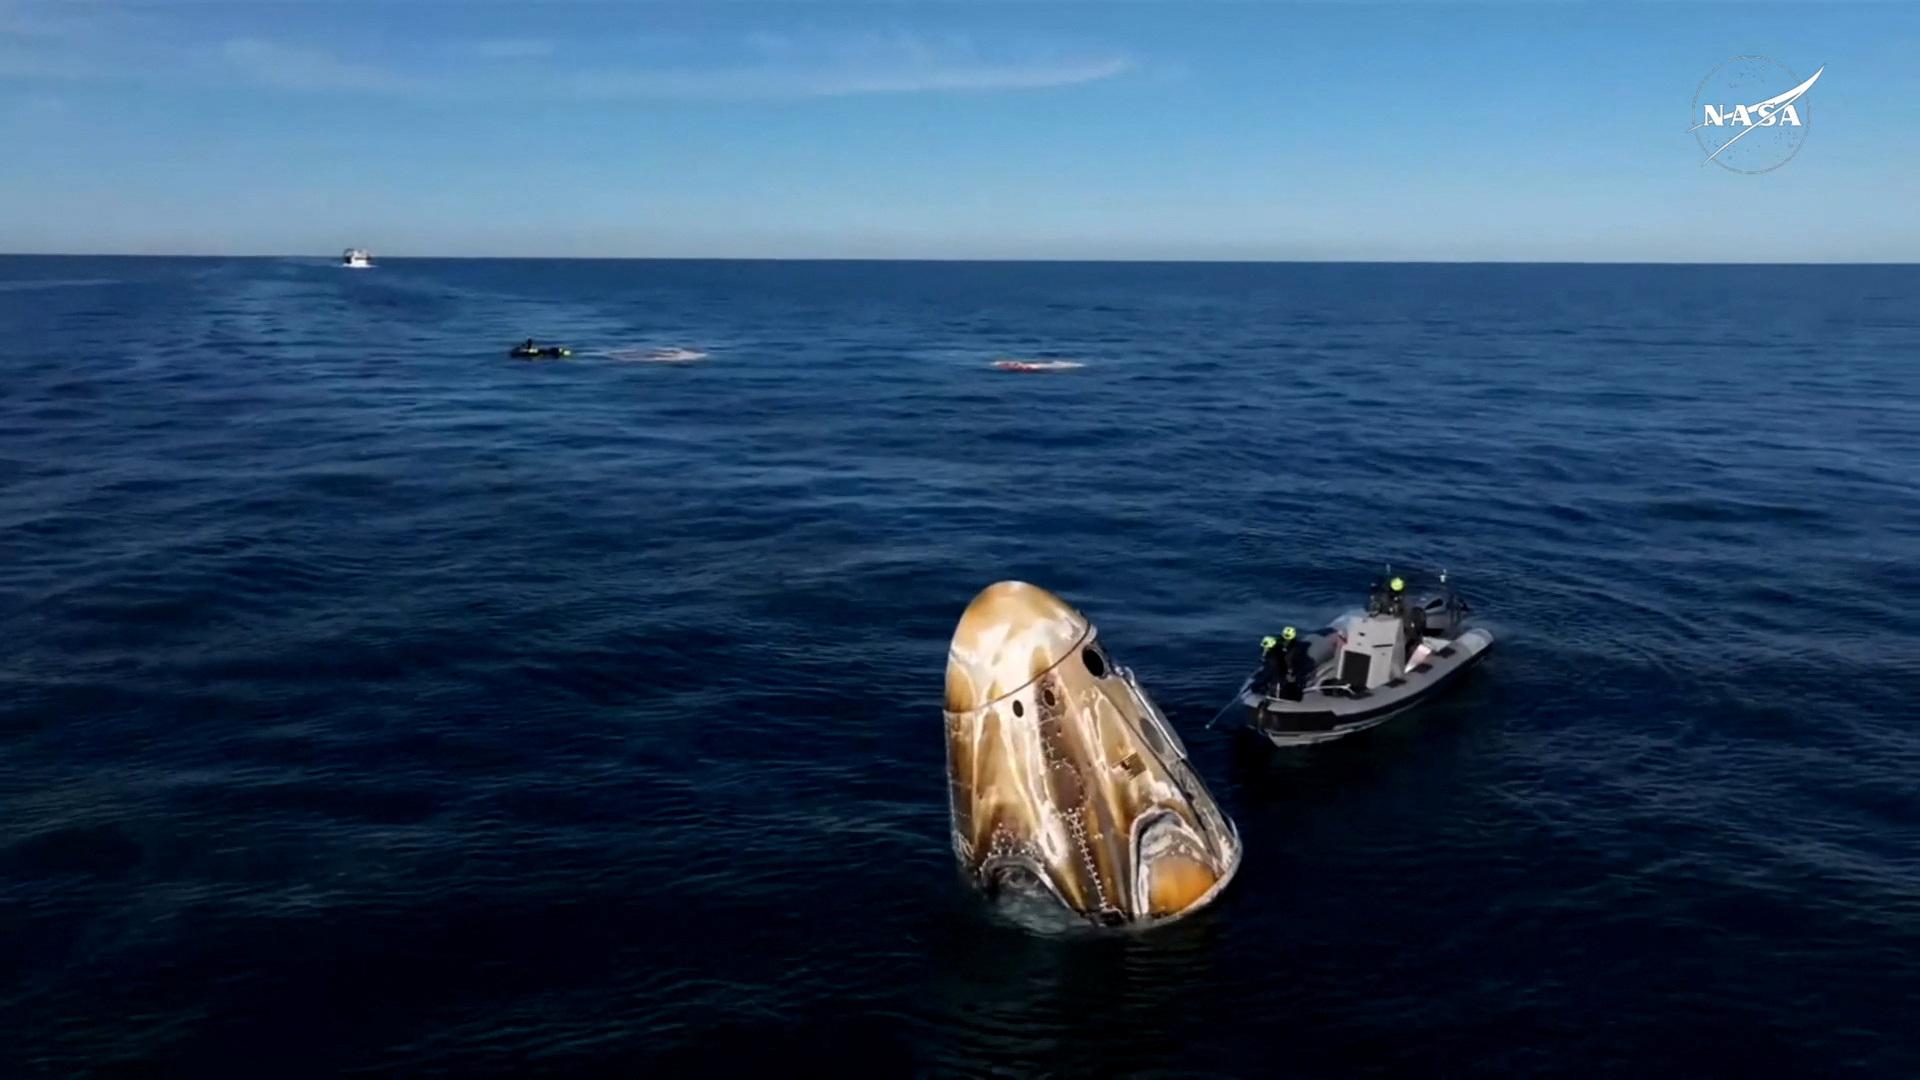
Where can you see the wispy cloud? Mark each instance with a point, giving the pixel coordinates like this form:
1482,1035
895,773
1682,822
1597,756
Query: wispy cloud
293,68
507,48
757,83
782,65
758,66
34,65
17,21
65,44
37,107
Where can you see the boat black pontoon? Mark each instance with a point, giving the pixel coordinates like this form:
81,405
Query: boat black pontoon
527,350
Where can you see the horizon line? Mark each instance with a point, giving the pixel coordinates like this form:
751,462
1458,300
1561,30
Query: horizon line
952,259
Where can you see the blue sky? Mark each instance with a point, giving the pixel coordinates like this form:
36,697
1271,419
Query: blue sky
1197,130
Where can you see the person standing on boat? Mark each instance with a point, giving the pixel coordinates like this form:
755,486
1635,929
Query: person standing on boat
1296,666
1285,664
1390,599
1271,664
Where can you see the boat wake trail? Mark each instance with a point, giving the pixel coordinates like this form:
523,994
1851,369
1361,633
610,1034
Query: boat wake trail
1034,366
670,355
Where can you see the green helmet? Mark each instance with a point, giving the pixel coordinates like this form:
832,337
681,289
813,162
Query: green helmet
1267,642
1396,584
1289,633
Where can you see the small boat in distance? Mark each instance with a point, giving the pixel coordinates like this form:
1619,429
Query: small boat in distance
357,259
527,350
1033,366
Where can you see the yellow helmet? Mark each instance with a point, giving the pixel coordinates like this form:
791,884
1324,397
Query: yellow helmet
1267,642
1288,633
1396,584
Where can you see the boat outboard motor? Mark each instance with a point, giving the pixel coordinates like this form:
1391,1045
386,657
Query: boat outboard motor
1375,652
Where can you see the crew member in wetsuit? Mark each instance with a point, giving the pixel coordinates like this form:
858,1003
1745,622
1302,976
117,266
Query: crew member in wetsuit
1294,664
1272,664
1285,666
1388,599
528,346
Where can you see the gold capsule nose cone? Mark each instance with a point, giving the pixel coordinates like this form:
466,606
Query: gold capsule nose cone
1008,636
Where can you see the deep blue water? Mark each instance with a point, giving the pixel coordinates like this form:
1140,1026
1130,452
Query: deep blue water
371,701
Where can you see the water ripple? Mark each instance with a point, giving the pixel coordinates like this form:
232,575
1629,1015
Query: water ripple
371,702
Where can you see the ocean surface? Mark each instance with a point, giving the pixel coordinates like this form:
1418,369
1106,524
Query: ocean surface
373,703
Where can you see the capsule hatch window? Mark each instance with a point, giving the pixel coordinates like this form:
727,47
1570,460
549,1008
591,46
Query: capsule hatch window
1154,727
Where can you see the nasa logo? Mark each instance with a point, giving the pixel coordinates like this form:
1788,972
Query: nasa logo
1744,96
